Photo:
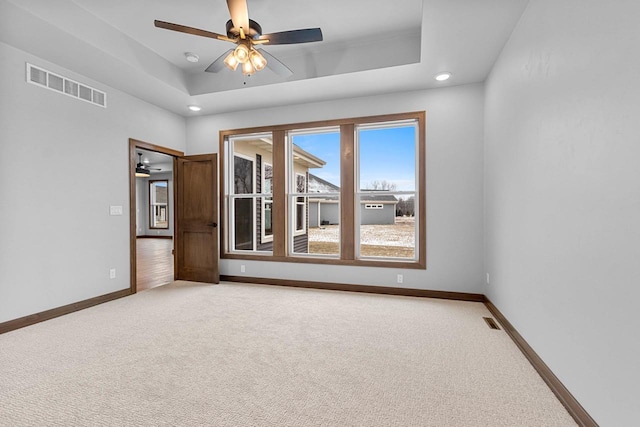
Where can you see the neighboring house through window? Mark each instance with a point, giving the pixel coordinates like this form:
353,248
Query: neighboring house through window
349,192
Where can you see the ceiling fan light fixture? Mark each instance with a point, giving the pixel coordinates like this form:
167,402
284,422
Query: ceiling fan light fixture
257,60
441,77
142,173
248,68
231,62
245,34
241,53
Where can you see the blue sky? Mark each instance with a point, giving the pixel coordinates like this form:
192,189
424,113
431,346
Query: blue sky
385,155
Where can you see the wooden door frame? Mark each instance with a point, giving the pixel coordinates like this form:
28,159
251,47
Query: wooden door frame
135,144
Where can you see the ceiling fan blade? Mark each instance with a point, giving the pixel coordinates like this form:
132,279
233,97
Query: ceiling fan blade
275,65
294,36
190,30
218,64
239,14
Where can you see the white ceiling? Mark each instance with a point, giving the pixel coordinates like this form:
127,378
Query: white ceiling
370,46
273,15
155,160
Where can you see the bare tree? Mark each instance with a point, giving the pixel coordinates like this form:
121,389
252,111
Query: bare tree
405,207
382,185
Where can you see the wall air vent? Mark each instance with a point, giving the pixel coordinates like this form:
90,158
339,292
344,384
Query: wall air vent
47,79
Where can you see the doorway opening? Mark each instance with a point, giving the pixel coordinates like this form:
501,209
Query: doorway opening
152,214
154,220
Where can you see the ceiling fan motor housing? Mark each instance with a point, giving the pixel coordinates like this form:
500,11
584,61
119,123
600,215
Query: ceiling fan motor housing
255,30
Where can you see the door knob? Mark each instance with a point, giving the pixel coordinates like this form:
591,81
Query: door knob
212,224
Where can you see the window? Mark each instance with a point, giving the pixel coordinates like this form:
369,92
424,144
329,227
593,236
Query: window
249,194
349,192
386,174
314,158
158,204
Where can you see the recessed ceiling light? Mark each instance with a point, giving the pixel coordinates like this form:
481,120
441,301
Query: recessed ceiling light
191,57
442,76
194,108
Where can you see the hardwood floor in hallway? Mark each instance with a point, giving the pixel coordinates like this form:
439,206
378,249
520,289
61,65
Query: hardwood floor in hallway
154,262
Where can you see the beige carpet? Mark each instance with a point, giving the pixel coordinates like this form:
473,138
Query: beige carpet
247,355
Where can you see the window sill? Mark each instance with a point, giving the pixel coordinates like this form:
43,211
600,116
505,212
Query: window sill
309,259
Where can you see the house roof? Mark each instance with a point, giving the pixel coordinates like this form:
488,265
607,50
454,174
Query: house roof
306,158
319,185
378,198
299,155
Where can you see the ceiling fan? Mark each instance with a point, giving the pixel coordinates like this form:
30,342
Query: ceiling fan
247,34
142,170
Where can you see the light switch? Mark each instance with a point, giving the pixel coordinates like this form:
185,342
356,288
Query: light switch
115,210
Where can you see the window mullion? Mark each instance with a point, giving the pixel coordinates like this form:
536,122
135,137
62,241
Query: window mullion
347,192
279,204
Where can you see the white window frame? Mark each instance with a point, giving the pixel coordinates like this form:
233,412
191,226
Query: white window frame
264,237
232,196
295,203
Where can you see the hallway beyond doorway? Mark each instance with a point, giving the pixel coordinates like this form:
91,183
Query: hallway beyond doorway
155,262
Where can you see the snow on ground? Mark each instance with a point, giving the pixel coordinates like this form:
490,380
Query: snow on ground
402,233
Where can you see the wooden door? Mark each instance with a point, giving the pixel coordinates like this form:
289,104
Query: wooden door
196,219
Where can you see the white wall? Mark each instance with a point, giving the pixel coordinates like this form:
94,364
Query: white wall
454,185
563,196
57,240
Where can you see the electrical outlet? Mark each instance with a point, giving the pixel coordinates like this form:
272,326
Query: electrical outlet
112,273
242,268
400,278
488,281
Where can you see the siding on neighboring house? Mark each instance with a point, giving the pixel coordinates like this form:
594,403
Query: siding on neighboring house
323,212
301,244
374,208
